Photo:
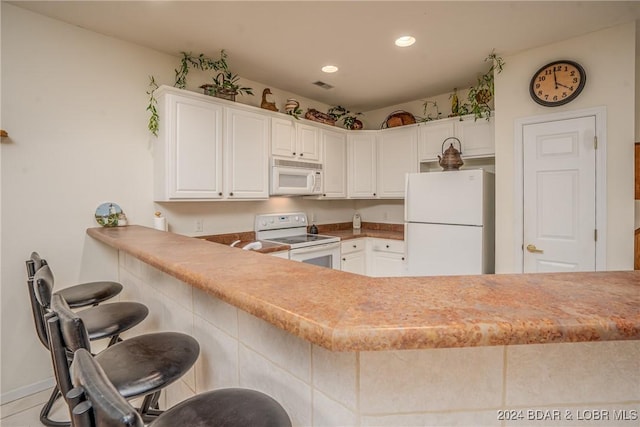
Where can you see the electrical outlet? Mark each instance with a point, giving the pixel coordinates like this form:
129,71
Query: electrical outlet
199,226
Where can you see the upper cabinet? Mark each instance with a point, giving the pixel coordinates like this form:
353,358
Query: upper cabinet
362,158
209,149
188,152
294,140
246,148
334,145
397,156
476,137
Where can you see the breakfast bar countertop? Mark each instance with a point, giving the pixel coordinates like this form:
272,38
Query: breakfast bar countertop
348,312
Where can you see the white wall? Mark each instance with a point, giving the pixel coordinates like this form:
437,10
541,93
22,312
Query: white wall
73,102
608,57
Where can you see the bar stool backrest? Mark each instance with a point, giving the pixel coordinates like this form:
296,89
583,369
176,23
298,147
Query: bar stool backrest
96,402
37,311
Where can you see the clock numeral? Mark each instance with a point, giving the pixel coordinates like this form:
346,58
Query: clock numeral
537,85
564,94
555,98
575,80
572,73
549,72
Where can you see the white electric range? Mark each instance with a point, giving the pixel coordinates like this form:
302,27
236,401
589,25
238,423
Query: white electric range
291,229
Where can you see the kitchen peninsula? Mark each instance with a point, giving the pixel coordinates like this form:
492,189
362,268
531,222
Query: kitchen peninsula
342,349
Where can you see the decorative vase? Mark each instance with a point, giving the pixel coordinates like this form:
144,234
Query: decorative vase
291,106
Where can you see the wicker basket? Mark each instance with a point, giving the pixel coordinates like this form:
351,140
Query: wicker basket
398,118
318,116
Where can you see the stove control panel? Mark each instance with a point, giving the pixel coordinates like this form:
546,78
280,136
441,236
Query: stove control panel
280,221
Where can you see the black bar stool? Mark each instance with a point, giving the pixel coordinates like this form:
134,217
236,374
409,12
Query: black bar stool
139,366
97,403
103,321
83,294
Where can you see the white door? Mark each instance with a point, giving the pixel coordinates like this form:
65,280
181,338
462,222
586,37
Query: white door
559,210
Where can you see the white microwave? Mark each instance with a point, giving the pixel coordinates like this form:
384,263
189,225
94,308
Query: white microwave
295,178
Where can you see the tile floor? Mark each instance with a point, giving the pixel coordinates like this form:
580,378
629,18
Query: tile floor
25,412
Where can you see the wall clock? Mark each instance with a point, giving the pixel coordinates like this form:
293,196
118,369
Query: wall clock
557,83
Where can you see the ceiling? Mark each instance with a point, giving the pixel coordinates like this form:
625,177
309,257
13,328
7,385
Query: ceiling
284,44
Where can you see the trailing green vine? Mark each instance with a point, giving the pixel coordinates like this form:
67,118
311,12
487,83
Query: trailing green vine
154,119
225,80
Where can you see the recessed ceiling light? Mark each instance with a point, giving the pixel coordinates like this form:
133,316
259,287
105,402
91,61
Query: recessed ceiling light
405,41
329,68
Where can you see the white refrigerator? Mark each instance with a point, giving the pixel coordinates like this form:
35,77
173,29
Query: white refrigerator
449,222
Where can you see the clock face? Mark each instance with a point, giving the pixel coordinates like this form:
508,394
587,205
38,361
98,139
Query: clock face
557,83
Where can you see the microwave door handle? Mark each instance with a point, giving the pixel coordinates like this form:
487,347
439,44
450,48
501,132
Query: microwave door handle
313,184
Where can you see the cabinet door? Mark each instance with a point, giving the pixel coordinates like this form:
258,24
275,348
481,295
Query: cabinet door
431,135
476,136
386,264
386,257
283,137
308,142
335,164
397,156
354,262
362,164
246,155
192,139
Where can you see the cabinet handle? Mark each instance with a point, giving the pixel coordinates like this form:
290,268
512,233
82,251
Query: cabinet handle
301,154
402,258
355,246
324,195
387,246
294,153
374,194
231,194
344,259
220,193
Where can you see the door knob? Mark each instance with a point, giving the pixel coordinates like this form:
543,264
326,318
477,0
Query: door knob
532,248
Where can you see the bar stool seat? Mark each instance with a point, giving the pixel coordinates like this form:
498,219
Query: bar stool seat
90,293
96,402
80,295
111,319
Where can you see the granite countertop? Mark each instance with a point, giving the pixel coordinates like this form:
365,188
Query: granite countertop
348,312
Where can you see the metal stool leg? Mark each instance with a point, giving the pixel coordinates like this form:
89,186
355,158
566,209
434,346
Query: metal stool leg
44,413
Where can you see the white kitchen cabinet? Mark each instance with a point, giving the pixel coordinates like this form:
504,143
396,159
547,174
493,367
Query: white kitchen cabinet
308,142
386,257
397,156
294,140
476,137
362,158
283,137
354,256
188,151
246,154
334,145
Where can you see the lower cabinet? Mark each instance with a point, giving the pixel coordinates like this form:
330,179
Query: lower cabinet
373,257
386,258
353,257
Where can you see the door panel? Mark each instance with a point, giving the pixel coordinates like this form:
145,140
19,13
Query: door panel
559,196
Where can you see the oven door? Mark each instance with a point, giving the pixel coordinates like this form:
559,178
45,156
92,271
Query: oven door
327,255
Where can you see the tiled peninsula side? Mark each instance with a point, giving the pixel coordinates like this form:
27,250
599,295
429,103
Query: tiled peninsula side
558,383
